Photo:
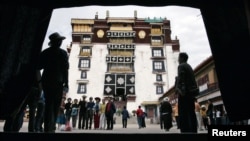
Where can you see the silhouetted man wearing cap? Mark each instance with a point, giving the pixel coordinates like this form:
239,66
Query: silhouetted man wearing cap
54,63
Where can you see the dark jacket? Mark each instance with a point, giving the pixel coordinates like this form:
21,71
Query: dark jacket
125,114
111,111
55,63
166,108
83,106
186,82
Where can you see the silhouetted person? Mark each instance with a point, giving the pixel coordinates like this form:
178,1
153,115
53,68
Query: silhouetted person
161,121
82,112
186,89
97,113
139,114
40,113
15,122
54,63
109,113
166,112
75,112
125,116
210,112
143,123
32,104
90,113
176,115
68,109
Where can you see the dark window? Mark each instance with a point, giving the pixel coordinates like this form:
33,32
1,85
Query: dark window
84,74
157,52
158,66
82,89
84,63
159,89
158,77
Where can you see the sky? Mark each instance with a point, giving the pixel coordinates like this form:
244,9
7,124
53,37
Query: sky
186,23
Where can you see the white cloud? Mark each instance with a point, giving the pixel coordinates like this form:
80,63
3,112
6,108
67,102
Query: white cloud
186,23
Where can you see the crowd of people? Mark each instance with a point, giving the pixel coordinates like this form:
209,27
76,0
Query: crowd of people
89,114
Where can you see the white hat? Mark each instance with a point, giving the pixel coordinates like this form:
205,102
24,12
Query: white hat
165,99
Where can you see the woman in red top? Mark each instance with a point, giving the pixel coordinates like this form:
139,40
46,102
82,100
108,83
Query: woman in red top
139,113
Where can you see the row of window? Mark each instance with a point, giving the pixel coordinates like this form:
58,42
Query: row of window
156,52
158,66
82,88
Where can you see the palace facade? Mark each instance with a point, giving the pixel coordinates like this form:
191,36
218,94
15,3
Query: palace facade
134,60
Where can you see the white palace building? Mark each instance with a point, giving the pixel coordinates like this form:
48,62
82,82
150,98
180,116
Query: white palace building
134,60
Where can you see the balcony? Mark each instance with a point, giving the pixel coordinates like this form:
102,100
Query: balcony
156,43
120,70
210,88
85,54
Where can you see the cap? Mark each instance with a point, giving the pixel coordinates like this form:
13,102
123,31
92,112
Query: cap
55,37
97,98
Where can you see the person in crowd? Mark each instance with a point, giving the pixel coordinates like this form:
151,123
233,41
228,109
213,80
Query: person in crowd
227,121
187,89
68,109
210,112
97,113
54,63
139,114
14,122
166,112
110,110
125,117
90,113
218,116
61,117
32,103
102,124
143,123
198,115
176,116
161,120
204,116
82,112
74,113
40,113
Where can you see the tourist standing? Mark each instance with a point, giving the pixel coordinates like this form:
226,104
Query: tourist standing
125,116
187,89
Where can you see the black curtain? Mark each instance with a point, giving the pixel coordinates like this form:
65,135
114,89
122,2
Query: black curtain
228,33
22,34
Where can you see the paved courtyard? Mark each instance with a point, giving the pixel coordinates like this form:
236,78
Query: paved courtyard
131,128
